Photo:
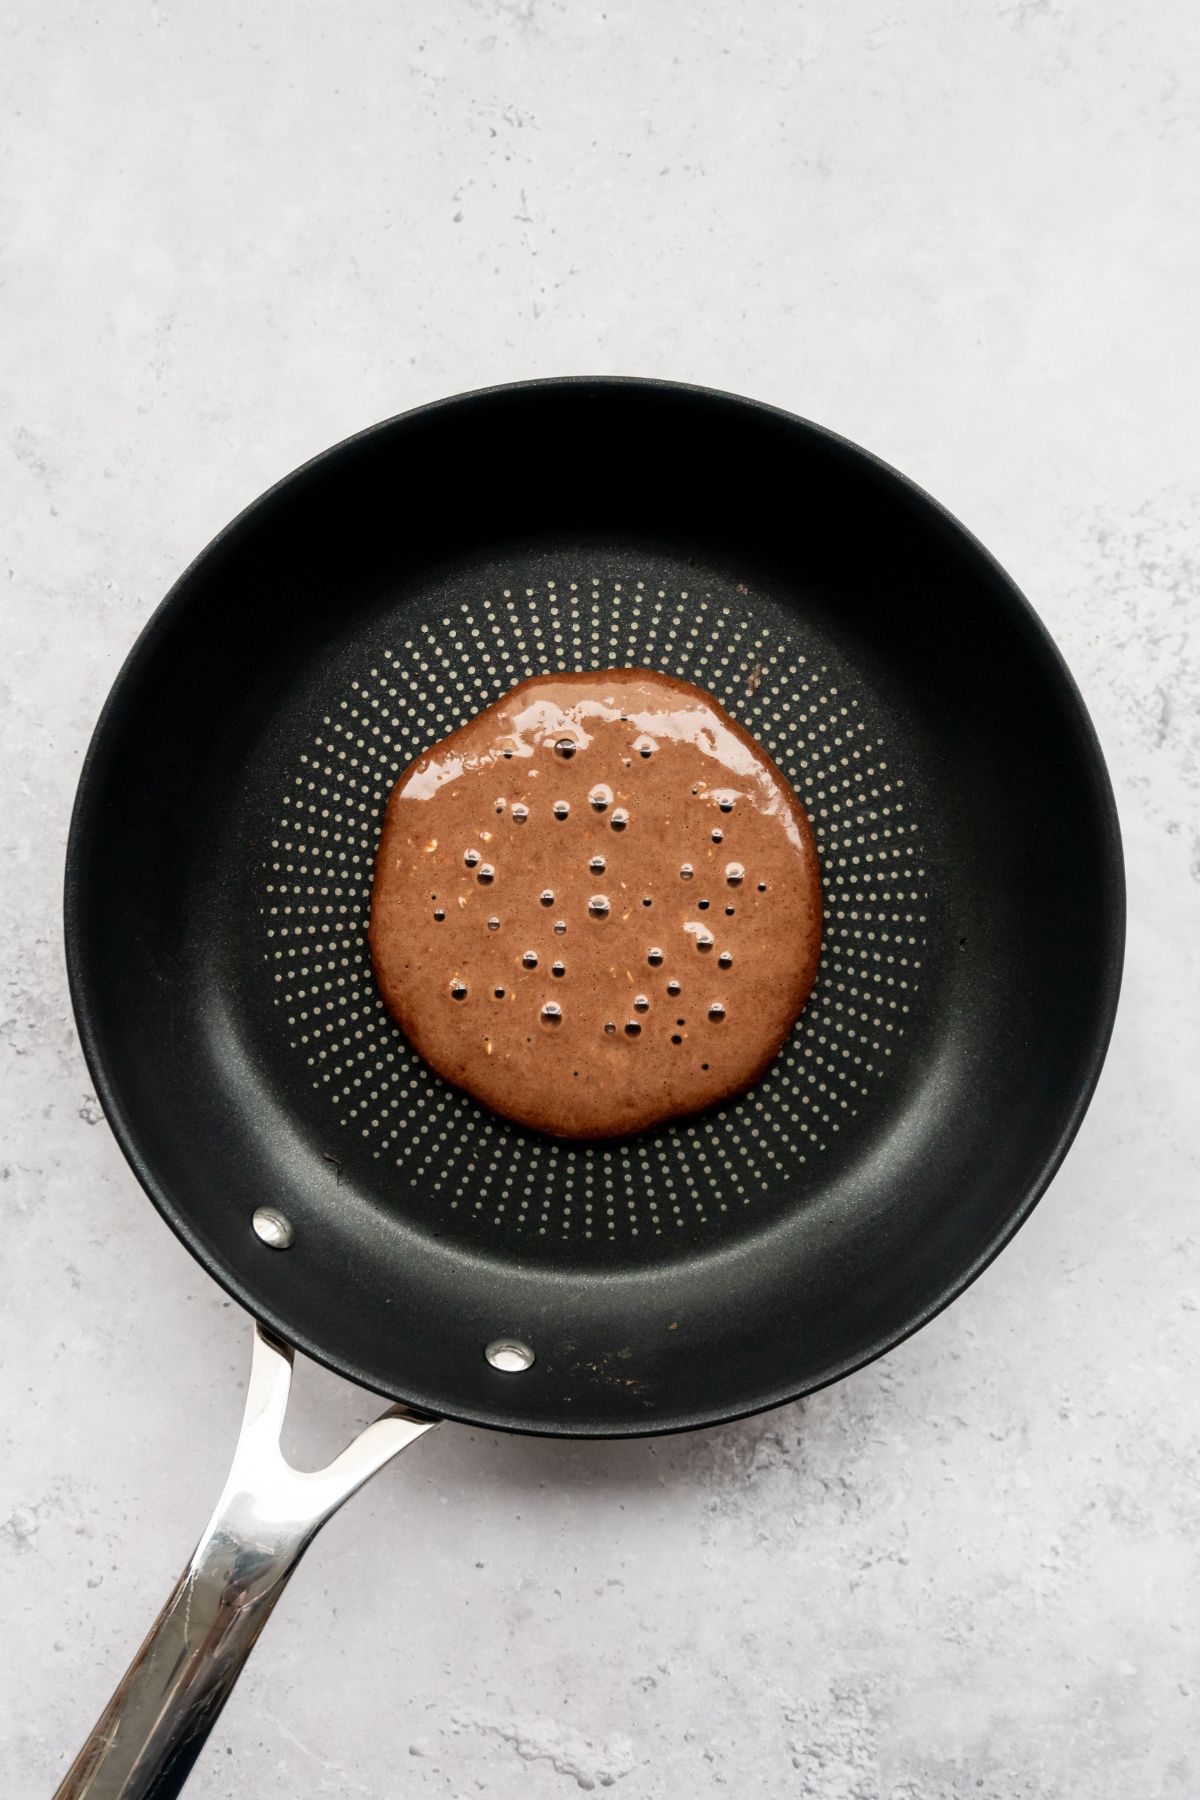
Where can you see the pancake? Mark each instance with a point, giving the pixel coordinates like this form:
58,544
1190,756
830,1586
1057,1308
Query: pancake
597,906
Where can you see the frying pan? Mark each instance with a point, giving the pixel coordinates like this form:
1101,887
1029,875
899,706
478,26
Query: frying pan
218,880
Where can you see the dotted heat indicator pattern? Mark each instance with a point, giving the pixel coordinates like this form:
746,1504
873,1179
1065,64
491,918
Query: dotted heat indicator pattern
688,1178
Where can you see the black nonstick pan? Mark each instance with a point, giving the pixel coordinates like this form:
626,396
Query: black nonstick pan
218,880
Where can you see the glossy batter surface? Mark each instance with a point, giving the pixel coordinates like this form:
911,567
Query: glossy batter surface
598,905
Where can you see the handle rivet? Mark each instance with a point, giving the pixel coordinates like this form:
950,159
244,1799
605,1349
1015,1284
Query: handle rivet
510,1355
274,1228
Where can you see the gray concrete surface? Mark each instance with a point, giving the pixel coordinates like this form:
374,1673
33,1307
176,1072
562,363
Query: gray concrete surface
963,234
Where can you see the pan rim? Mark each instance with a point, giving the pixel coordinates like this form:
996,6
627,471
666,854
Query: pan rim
1112,899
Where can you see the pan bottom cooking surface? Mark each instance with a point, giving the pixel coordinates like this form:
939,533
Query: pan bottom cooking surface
427,1149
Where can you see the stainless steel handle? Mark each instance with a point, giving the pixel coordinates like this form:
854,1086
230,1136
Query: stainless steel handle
154,1727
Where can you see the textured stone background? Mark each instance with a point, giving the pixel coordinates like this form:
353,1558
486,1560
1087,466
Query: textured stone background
963,234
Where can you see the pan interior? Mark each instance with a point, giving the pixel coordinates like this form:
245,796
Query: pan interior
220,867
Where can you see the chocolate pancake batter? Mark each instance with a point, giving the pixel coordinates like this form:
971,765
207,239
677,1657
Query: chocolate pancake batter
598,905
